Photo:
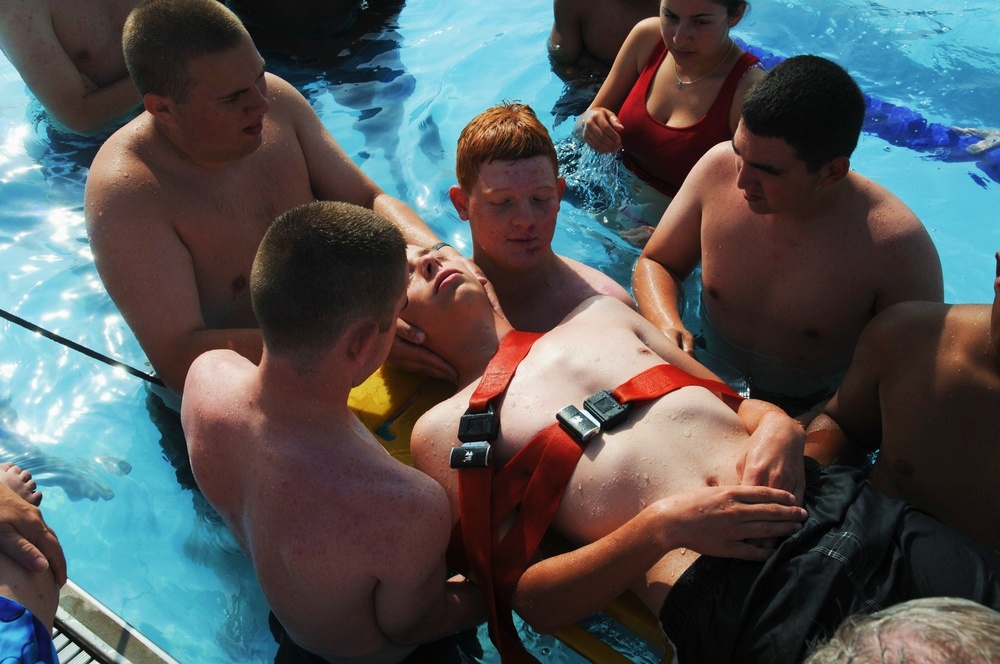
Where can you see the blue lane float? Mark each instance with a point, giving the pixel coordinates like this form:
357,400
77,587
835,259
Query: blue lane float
906,128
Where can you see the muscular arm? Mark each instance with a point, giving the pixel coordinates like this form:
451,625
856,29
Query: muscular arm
714,521
334,176
413,601
30,43
851,424
910,268
672,253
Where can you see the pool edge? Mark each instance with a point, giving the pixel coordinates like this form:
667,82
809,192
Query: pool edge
105,636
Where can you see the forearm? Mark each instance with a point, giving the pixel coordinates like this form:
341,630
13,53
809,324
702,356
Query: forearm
657,291
774,449
172,368
406,220
462,607
562,590
101,106
828,444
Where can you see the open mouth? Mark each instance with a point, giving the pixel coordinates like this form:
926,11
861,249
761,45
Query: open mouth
445,277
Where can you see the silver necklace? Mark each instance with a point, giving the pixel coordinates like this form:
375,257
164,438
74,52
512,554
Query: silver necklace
681,84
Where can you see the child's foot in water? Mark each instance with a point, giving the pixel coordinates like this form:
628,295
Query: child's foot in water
19,481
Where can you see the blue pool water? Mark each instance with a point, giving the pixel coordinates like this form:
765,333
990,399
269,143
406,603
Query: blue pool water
135,534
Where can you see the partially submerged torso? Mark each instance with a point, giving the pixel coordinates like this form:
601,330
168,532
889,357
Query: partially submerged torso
940,405
311,502
800,293
220,215
90,31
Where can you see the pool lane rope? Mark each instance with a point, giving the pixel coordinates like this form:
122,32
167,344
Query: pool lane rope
906,128
89,352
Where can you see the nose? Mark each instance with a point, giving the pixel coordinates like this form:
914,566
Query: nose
428,264
743,175
257,103
681,32
524,215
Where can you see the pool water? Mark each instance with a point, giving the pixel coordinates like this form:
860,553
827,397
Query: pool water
135,533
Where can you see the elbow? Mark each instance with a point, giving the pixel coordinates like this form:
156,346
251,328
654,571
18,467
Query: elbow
540,621
80,124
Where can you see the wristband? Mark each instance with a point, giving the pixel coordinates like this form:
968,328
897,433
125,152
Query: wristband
440,245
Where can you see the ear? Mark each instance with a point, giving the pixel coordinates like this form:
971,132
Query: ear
834,171
160,107
738,16
560,188
360,343
460,200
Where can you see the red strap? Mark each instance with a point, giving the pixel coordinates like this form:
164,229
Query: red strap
662,379
513,347
534,480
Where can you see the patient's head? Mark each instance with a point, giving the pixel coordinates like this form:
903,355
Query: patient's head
445,299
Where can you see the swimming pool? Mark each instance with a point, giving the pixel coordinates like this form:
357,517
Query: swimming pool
141,541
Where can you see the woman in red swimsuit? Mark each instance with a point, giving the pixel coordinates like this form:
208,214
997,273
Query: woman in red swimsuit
674,91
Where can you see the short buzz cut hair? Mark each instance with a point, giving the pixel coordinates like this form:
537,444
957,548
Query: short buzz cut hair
507,132
811,103
161,37
321,267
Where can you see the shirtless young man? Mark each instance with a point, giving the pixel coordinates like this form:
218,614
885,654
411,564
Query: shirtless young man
70,57
924,391
586,36
319,507
797,251
509,191
664,484
178,200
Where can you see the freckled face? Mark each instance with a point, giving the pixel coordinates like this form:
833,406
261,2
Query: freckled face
512,210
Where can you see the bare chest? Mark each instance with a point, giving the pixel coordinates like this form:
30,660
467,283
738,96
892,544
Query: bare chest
90,31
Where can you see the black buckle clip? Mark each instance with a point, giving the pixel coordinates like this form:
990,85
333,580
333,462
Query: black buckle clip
471,455
578,424
474,427
606,409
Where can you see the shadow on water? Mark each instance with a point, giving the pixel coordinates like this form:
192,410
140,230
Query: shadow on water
80,479
349,50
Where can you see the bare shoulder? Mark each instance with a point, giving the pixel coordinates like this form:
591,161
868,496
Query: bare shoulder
887,213
125,165
641,41
900,329
595,282
213,375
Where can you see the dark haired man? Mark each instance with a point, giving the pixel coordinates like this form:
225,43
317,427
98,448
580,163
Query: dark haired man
797,251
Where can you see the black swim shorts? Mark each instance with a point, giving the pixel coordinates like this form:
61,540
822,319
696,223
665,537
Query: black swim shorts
858,552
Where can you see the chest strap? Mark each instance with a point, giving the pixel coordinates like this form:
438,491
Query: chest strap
531,485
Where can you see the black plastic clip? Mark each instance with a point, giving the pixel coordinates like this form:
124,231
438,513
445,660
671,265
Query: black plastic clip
471,455
606,409
474,427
